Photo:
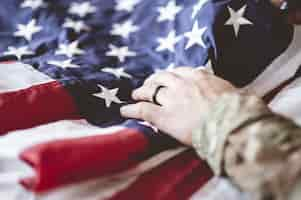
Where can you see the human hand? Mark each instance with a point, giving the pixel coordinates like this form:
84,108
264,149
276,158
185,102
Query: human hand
186,96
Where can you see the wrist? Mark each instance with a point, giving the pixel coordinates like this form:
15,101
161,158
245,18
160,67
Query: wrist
226,115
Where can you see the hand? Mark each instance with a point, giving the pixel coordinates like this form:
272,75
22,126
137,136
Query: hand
185,98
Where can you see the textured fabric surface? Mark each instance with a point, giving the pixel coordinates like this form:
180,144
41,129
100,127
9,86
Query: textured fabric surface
85,58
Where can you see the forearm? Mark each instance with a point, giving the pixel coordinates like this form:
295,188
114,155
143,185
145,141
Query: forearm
242,139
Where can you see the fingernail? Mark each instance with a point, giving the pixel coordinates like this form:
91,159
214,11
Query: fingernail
123,110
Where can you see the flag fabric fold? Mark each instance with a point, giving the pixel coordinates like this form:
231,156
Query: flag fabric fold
68,66
71,160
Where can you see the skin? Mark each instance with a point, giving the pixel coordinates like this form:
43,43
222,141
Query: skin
186,98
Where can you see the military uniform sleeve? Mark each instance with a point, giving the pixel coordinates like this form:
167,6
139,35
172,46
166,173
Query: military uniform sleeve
258,150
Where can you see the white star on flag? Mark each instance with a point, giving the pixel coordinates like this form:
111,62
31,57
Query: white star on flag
33,4
27,31
110,96
18,52
198,7
147,124
119,72
237,19
69,49
195,37
82,9
126,5
125,29
63,64
77,26
169,12
169,42
120,52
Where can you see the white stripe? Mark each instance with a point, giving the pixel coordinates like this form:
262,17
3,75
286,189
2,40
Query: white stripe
10,177
12,169
288,101
219,189
15,142
281,69
16,76
96,189
16,192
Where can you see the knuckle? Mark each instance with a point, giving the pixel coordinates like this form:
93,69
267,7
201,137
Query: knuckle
201,76
204,73
150,78
200,73
138,94
164,74
143,93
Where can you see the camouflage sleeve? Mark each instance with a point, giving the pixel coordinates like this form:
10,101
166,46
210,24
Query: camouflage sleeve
257,150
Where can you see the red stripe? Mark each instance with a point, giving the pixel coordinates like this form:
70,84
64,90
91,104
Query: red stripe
7,62
193,182
72,160
34,106
176,179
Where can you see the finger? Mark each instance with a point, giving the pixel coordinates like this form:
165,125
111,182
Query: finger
164,96
146,92
143,111
167,79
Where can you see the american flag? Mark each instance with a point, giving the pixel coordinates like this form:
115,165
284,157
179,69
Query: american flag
68,66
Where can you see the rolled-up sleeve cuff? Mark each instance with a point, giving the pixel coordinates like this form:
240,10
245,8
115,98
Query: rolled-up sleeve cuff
227,114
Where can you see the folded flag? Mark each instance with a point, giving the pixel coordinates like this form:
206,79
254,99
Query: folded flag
83,59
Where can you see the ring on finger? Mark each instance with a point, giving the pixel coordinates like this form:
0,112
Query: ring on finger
155,95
